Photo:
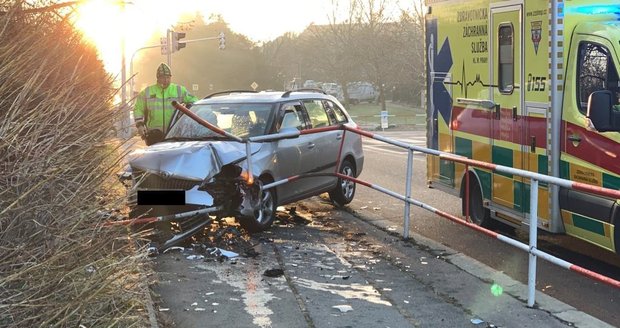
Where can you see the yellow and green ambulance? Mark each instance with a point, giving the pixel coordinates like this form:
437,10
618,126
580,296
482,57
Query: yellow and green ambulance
532,85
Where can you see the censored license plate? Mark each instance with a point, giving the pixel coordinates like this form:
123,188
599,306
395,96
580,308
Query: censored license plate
161,197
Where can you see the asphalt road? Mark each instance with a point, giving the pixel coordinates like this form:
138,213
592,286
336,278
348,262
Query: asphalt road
386,166
323,267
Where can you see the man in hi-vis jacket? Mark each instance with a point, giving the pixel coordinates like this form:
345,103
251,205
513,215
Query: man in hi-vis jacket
153,109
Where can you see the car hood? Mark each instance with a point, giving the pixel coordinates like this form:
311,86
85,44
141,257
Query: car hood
190,160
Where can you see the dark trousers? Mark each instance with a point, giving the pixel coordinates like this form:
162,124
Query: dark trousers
153,137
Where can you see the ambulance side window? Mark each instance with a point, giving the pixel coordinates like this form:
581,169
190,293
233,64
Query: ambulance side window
506,58
596,72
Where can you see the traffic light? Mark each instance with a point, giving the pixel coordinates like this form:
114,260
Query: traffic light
222,41
164,45
176,43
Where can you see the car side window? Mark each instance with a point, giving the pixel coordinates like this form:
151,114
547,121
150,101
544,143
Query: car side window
335,113
292,118
316,113
596,72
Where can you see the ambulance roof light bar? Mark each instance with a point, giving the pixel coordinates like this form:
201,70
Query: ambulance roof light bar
596,9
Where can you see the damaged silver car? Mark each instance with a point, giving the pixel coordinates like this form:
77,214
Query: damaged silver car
195,167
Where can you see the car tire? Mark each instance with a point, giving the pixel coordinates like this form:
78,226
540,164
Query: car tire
344,191
266,214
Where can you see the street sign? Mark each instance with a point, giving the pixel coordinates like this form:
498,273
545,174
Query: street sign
194,87
384,119
254,85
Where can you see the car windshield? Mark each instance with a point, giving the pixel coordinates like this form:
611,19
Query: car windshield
242,120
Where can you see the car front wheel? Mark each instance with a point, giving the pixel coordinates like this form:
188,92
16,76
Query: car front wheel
345,189
265,213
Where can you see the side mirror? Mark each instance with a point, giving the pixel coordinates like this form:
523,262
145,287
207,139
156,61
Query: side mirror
291,133
600,111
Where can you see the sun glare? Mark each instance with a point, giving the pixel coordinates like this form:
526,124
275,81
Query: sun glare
98,21
106,23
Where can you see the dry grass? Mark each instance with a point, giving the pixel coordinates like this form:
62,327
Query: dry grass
58,265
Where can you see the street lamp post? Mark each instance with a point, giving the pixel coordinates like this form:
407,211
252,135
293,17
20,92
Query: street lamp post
125,130
131,75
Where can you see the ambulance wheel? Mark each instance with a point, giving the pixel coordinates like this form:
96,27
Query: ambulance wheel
477,212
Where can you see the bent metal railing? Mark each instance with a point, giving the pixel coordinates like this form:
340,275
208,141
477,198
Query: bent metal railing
535,178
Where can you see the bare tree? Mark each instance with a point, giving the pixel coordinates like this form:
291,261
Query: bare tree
282,57
370,45
412,24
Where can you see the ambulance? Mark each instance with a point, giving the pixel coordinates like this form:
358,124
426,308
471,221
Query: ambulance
532,85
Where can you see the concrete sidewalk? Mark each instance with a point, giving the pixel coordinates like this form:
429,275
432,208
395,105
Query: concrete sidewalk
341,271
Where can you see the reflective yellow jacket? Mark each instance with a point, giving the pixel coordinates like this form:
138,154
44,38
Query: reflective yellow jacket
154,105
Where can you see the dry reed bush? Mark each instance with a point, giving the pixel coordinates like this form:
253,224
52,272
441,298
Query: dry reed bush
58,265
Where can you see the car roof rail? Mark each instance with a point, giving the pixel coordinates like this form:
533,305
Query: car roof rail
228,92
286,94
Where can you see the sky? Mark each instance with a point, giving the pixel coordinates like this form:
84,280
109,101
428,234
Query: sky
104,21
265,20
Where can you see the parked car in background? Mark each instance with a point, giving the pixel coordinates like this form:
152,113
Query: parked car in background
331,88
311,84
361,91
214,167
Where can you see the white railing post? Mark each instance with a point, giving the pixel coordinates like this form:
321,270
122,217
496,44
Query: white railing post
248,152
408,194
531,276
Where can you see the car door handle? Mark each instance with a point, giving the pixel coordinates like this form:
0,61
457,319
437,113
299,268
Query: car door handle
574,138
339,136
311,145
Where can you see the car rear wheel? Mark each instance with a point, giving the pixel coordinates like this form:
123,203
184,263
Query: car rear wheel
265,214
345,189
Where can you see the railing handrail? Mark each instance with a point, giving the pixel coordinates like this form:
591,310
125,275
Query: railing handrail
535,177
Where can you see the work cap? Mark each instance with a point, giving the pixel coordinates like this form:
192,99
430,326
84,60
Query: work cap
163,70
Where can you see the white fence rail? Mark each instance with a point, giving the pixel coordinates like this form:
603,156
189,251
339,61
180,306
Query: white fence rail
535,178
